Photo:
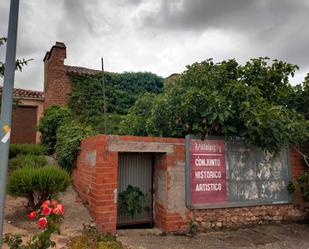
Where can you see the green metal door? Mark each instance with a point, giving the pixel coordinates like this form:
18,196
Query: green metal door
135,169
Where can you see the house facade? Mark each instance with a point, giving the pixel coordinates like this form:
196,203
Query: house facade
26,115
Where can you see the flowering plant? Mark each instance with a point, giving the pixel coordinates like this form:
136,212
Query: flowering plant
49,217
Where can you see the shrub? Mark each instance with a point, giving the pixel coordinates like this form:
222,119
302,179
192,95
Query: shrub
24,149
53,117
29,160
302,182
37,184
90,238
69,135
132,201
109,245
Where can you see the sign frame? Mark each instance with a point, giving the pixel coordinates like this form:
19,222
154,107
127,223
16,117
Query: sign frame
228,203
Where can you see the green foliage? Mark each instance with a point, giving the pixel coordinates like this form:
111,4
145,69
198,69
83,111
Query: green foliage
113,123
271,127
37,184
301,183
28,160
13,241
19,62
53,117
109,245
192,228
298,98
39,241
291,187
91,239
132,201
122,90
134,122
69,135
254,101
25,149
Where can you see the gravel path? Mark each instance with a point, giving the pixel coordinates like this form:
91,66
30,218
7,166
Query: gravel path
289,236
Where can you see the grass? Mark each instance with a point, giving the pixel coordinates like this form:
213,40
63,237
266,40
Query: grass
91,239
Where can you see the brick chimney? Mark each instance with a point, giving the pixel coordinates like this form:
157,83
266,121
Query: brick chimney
57,84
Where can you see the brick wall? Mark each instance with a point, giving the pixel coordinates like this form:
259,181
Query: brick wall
95,178
57,84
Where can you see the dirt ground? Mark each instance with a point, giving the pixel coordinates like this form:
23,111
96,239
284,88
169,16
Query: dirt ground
76,215
288,236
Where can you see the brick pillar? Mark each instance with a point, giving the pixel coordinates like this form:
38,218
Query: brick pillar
171,213
57,84
103,193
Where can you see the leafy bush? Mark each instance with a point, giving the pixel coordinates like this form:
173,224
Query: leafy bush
132,201
53,117
302,183
134,123
26,161
69,135
37,184
91,239
24,149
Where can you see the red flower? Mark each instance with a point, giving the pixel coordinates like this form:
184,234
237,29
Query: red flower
45,204
32,215
46,211
59,209
53,203
42,222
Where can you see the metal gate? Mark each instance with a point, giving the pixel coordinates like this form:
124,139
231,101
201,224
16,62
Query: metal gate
135,169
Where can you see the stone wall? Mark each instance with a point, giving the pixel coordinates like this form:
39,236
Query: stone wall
245,216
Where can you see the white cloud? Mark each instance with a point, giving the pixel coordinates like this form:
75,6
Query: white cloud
135,35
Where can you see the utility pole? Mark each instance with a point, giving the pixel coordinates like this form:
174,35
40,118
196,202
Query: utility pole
104,97
6,105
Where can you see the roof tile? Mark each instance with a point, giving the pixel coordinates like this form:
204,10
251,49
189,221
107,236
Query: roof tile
72,70
25,93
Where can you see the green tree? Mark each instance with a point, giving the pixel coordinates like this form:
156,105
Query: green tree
134,123
19,62
254,101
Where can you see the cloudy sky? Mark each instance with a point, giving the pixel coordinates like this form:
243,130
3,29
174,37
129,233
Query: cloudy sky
161,36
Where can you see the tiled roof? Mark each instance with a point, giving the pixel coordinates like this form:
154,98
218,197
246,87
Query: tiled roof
81,70
25,93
